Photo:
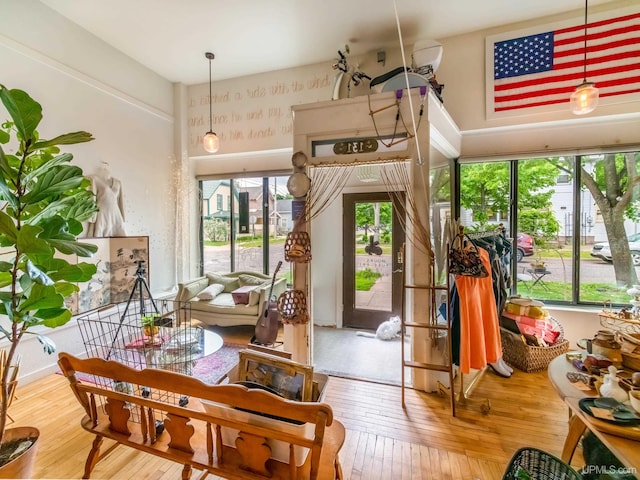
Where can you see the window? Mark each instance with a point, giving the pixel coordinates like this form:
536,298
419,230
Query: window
577,222
237,238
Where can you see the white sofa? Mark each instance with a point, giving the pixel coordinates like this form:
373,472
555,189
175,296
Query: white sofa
221,309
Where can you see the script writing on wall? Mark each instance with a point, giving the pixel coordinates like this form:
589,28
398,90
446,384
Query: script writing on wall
254,113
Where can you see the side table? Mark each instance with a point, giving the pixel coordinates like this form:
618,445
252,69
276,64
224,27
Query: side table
624,442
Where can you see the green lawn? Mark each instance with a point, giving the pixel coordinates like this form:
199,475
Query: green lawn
245,242
365,279
589,292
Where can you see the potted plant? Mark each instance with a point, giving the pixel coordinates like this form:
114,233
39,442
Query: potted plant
149,326
43,202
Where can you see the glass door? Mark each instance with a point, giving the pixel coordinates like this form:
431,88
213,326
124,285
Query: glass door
372,277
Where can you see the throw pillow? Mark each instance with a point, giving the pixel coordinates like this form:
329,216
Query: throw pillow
191,289
230,283
254,297
211,292
249,280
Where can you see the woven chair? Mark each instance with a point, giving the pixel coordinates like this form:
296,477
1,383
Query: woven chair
534,464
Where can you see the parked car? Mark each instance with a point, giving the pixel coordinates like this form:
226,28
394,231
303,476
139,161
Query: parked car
524,245
603,250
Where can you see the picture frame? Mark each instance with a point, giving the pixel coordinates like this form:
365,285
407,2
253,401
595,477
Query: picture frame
292,380
116,264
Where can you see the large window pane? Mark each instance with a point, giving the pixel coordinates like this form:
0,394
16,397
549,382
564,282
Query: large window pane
248,211
610,254
251,224
545,222
484,195
280,223
216,226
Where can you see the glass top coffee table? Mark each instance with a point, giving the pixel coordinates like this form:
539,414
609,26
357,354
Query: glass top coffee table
176,349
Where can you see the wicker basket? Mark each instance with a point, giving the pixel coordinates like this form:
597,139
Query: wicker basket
297,247
292,307
631,358
526,357
539,465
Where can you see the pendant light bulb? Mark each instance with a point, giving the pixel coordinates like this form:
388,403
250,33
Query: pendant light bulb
585,97
211,142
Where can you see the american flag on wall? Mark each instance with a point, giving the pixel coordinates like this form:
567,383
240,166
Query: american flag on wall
545,68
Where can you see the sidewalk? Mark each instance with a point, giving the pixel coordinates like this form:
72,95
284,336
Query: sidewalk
378,297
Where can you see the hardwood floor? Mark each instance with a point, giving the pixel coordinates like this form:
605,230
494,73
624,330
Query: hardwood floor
383,440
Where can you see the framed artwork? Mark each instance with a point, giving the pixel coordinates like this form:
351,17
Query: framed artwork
116,263
124,253
94,293
292,380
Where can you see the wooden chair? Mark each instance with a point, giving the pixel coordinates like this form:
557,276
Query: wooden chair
227,430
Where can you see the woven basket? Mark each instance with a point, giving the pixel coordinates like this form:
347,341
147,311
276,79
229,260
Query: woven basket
526,357
631,359
297,247
292,307
539,465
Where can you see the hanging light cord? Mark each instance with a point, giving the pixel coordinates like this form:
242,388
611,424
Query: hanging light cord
586,2
210,100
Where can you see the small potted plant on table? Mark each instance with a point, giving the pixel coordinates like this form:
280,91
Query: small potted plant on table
149,326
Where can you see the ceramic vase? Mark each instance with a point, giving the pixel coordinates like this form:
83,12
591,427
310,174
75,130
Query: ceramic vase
611,386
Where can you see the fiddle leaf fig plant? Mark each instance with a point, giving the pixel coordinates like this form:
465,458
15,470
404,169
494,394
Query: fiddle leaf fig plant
43,202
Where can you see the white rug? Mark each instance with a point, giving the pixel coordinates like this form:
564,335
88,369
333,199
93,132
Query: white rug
343,353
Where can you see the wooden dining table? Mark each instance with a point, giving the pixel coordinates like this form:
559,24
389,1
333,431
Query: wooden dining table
622,441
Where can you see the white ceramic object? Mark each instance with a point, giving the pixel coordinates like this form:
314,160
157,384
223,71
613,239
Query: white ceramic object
611,387
635,293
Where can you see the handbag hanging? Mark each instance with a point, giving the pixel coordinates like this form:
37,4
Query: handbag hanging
464,258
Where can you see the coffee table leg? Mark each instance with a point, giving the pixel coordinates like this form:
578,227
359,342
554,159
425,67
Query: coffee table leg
576,429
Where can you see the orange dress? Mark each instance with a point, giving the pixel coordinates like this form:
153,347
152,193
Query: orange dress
480,342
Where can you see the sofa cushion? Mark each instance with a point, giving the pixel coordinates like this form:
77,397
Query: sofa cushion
211,292
230,283
191,289
250,280
254,297
223,304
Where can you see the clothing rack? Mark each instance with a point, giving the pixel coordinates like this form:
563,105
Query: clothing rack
465,392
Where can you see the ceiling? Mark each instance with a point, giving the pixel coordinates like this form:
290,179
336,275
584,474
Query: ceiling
252,36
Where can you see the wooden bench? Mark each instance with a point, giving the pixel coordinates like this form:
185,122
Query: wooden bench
179,418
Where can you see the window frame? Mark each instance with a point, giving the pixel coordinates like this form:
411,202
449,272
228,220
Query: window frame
576,160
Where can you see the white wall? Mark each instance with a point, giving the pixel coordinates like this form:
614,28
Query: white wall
83,84
253,113
31,24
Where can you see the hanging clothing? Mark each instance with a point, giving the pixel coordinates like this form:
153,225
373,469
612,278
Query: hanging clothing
454,316
480,342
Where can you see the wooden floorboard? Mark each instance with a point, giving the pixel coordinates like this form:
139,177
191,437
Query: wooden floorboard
383,441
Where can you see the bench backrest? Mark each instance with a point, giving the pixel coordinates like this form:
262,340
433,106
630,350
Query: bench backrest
132,400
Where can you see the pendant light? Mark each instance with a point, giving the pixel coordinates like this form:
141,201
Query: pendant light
585,98
210,140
